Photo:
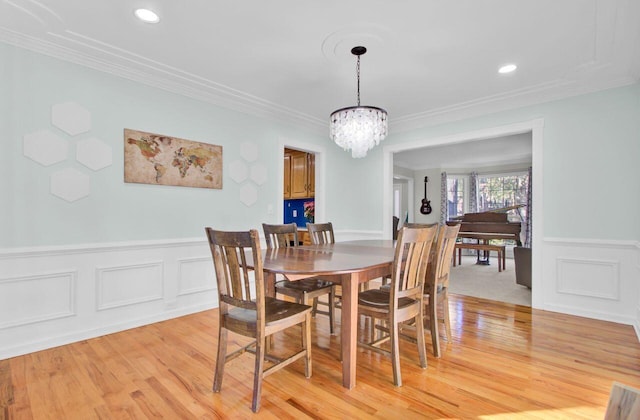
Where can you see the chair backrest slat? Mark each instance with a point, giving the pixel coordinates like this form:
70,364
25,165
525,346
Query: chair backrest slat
321,233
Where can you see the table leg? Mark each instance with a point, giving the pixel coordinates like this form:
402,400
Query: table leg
270,284
349,338
269,290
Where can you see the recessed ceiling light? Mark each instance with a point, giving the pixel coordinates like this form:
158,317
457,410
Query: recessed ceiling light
147,15
508,68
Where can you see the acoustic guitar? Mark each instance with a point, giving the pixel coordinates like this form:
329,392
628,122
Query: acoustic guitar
426,204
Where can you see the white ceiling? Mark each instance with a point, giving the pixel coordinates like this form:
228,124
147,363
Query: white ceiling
429,61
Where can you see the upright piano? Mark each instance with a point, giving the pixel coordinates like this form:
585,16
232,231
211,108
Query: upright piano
488,225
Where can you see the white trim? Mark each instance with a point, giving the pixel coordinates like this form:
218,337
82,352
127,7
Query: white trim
599,243
410,196
47,251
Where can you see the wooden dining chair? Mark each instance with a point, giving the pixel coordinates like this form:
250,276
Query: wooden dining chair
245,310
305,290
321,233
437,284
403,301
385,280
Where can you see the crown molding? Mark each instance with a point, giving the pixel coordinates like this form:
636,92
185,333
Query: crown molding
546,92
166,78
121,63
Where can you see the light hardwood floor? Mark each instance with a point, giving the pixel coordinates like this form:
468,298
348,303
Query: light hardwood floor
505,361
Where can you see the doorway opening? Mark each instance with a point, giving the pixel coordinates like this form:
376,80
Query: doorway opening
533,128
301,174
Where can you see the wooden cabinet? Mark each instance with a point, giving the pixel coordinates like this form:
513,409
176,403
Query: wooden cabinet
299,174
311,173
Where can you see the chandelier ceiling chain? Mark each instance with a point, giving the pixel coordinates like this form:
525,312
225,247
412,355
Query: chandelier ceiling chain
358,72
358,128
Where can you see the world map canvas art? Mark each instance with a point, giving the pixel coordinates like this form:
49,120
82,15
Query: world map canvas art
162,160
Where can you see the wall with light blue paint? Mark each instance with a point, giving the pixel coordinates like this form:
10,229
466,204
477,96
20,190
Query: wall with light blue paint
591,149
591,155
30,215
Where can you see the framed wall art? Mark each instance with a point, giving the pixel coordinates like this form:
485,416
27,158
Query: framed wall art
163,160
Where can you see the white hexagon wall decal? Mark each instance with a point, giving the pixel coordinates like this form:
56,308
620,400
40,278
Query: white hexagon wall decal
71,118
259,173
94,153
70,184
248,195
249,151
238,171
45,147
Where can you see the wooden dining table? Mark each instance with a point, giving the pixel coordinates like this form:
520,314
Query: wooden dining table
346,263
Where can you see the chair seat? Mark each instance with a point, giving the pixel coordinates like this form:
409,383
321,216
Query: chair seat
275,310
380,298
304,286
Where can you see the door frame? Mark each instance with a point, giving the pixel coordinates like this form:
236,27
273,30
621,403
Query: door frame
410,196
320,178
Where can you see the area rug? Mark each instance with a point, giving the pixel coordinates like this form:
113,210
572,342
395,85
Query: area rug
484,281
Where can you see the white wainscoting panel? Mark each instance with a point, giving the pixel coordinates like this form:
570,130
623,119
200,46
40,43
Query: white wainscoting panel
588,277
57,295
196,275
36,298
128,284
591,278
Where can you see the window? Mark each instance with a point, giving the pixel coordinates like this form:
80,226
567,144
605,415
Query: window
499,191
455,196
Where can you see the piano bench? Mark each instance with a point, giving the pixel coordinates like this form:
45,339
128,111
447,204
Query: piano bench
500,249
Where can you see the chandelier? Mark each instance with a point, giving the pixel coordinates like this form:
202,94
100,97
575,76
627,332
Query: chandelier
358,128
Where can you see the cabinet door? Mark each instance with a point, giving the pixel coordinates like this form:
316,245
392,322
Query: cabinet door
311,174
299,182
287,176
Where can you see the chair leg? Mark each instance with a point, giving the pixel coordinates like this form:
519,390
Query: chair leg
422,350
306,343
303,301
314,305
220,359
433,327
395,354
447,319
331,305
258,374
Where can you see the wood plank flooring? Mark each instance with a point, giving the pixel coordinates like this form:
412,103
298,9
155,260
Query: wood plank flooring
505,361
